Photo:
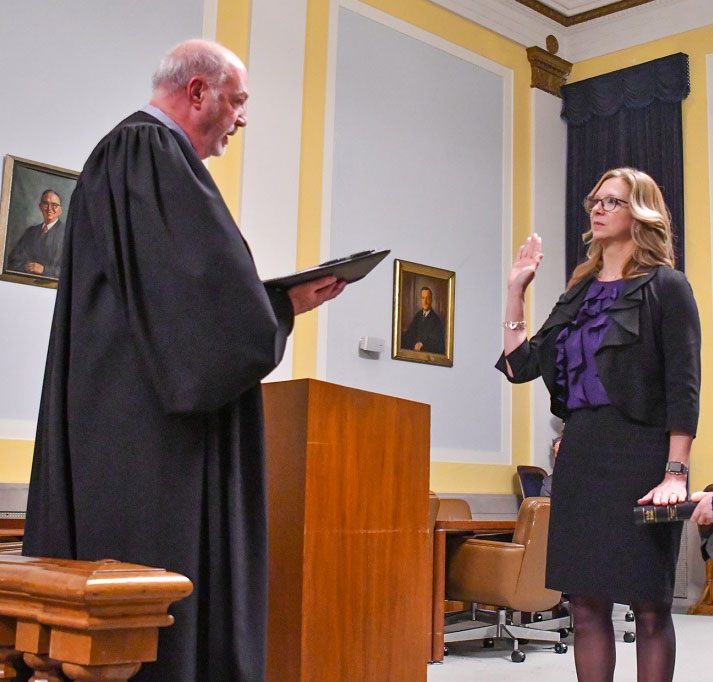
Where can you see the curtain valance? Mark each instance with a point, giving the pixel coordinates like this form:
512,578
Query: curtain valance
665,79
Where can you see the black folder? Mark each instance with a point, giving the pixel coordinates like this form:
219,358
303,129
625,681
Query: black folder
350,269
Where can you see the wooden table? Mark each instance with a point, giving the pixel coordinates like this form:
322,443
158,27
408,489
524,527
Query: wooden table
443,528
12,527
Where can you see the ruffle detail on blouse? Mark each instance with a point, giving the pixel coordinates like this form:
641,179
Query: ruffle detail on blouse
577,343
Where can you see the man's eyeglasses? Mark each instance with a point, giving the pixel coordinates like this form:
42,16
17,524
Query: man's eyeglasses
50,204
608,203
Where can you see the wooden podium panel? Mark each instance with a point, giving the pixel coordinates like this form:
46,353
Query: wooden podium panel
348,475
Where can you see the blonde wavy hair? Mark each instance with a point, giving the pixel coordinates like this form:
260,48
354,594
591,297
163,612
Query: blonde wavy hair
650,232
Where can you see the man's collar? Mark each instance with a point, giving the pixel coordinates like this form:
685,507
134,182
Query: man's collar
164,118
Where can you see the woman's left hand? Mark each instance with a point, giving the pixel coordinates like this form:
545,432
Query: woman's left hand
670,491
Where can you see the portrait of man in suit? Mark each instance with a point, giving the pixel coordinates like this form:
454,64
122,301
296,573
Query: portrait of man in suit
33,211
39,249
425,333
424,304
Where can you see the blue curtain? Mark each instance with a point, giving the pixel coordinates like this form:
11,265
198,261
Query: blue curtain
630,117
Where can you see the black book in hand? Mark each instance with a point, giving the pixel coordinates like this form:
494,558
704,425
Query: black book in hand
654,513
350,269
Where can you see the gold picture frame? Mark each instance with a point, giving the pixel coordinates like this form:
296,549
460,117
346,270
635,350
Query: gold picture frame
34,195
423,313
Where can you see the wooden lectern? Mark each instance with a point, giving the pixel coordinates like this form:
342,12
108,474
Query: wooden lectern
348,475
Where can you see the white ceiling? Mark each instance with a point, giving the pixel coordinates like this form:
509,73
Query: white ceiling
617,31
571,7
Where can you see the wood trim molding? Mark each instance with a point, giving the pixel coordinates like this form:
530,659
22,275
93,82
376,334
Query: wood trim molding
549,72
580,18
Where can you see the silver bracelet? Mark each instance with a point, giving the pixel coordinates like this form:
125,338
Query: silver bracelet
514,324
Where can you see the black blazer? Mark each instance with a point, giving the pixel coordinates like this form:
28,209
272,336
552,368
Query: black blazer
649,361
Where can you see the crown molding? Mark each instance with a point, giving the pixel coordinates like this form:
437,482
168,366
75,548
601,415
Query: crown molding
639,25
509,19
570,7
618,31
572,18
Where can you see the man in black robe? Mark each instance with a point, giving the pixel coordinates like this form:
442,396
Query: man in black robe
425,333
39,249
149,444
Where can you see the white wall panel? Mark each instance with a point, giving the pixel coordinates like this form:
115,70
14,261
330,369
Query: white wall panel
71,71
271,163
418,154
549,139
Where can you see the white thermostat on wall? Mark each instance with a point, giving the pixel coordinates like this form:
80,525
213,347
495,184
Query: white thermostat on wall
372,344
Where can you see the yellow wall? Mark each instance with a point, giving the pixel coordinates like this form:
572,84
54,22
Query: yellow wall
696,44
15,460
233,31
453,477
436,20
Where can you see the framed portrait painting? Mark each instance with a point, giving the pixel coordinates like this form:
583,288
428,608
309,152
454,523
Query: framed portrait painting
424,302
33,206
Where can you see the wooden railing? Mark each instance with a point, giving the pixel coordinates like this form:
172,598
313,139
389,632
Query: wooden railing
91,621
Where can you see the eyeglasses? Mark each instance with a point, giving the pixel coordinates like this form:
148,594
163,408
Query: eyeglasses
608,203
50,204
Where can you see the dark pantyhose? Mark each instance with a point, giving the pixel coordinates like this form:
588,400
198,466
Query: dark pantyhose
655,641
594,652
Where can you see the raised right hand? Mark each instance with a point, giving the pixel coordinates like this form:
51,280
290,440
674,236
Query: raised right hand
526,263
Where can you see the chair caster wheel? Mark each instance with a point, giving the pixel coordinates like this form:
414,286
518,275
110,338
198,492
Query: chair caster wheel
560,648
537,617
629,617
488,643
517,656
629,637
564,632
445,650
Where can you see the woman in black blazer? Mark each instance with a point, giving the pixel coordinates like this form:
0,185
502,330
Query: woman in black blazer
620,355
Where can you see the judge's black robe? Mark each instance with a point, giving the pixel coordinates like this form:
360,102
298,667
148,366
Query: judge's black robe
36,247
149,444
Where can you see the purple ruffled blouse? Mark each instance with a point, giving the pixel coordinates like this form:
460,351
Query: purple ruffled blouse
578,342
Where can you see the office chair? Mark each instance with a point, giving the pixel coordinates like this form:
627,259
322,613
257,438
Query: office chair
510,575
531,478
433,504
453,509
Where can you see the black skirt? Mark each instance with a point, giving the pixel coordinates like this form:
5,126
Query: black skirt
605,463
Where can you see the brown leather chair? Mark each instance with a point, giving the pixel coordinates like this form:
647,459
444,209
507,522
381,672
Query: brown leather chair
510,575
453,509
433,505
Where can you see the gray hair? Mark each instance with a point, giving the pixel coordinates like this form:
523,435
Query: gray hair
192,58
51,191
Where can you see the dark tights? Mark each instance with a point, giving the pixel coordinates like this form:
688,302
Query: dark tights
594,652
655,641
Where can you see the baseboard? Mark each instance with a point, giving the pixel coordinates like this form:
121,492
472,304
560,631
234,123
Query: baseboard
13,497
